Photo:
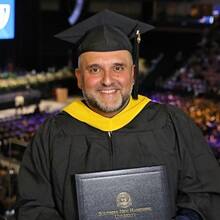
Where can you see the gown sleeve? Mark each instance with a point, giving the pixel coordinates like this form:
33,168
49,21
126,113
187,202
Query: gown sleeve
199,171
35,199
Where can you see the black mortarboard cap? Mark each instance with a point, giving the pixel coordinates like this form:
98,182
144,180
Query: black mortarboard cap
107,31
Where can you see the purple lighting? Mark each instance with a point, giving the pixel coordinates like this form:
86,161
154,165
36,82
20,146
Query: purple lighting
76,12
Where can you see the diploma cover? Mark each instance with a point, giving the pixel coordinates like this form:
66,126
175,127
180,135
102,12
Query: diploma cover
140,193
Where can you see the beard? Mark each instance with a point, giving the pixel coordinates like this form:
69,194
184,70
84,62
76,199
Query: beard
96,102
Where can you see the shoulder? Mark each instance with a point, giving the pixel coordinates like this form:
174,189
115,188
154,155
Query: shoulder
53,124
156,116
63,124
165,110
53,132
162,114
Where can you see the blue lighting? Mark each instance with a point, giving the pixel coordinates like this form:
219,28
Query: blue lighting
76,12
206,20
7,19
216,10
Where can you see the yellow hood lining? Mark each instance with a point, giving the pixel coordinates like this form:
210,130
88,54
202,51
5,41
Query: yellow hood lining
77,109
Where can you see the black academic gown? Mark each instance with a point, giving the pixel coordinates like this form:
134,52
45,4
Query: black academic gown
159,135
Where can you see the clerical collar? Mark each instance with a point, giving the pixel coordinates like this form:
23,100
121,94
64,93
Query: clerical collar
77,109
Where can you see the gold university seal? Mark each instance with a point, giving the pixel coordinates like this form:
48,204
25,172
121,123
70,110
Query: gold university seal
123,200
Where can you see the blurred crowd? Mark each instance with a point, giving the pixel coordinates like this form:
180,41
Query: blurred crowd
201,72
198,82
204,112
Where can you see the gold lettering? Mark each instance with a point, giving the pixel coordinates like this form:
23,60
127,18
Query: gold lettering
121,211
145,209
131,212
106,213
127,215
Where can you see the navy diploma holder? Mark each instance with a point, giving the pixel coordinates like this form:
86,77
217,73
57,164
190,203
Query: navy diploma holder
129,194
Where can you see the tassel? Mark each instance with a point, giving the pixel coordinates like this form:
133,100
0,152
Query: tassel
137,42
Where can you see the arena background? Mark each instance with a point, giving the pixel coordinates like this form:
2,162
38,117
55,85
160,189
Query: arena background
179,64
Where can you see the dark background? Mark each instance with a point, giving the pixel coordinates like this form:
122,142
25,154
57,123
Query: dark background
37,21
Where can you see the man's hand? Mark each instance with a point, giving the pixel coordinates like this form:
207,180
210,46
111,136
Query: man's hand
187,214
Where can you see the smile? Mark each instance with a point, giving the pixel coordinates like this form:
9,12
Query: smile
110,91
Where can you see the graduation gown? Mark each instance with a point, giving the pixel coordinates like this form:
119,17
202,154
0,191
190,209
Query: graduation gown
156,134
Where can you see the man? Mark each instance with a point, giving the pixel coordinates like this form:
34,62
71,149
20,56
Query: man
110,129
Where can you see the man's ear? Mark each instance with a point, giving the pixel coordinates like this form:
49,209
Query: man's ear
78,77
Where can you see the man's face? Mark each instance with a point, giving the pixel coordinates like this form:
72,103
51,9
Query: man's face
106,80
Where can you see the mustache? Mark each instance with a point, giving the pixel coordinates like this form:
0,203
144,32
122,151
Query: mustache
113,86
110,87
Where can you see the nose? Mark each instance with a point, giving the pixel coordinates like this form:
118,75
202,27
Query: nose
107,78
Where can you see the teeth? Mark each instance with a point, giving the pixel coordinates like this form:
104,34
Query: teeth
108,91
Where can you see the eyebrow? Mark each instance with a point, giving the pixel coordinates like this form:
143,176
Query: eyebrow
119,64
93,65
